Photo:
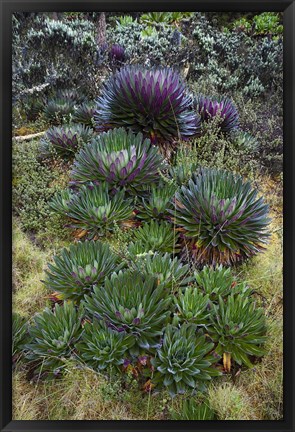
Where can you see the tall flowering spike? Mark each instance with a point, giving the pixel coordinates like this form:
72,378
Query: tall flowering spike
152,101
209,107
221,217
119,158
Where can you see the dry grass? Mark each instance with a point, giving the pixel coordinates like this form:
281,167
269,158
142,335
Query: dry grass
28,271
81,394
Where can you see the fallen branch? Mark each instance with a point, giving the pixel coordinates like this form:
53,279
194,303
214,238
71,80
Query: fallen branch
28,137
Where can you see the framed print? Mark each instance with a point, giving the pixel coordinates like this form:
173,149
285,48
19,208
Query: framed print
147,215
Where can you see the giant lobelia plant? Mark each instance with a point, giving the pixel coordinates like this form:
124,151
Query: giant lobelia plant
119,158
153,101
221,217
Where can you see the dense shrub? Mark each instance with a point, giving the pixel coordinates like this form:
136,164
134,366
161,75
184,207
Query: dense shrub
34,184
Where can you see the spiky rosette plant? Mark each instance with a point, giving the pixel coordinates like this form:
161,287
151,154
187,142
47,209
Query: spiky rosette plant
77,269
184,362
181,174
157,237
117,54
75,95
157,204
192,306
170,273
152,101
132,303
58,110
244,141
239,329
221,217
192,410
65,140
120,159
92,209
19,334
219,281
84,114
102,348
54,334
223,107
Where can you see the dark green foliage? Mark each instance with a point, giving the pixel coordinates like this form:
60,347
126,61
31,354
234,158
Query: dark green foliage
84,114
239,328
157,237
219,281
184,362
102,348
192,306
157,204
58,110
120,159
64,141
77,269
222,217
191,410
92,209
19,334
54,334
152,101
132,303
170,273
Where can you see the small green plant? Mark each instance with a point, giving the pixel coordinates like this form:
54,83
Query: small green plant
53,335
169,273
219,281
125,21
157,204
77,269
92,209
102,348
157,237
184,361
239,329
192,306
192,410
132,303
19,334
267,23
153,18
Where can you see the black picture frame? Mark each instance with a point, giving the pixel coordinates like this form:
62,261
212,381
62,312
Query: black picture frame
7,8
